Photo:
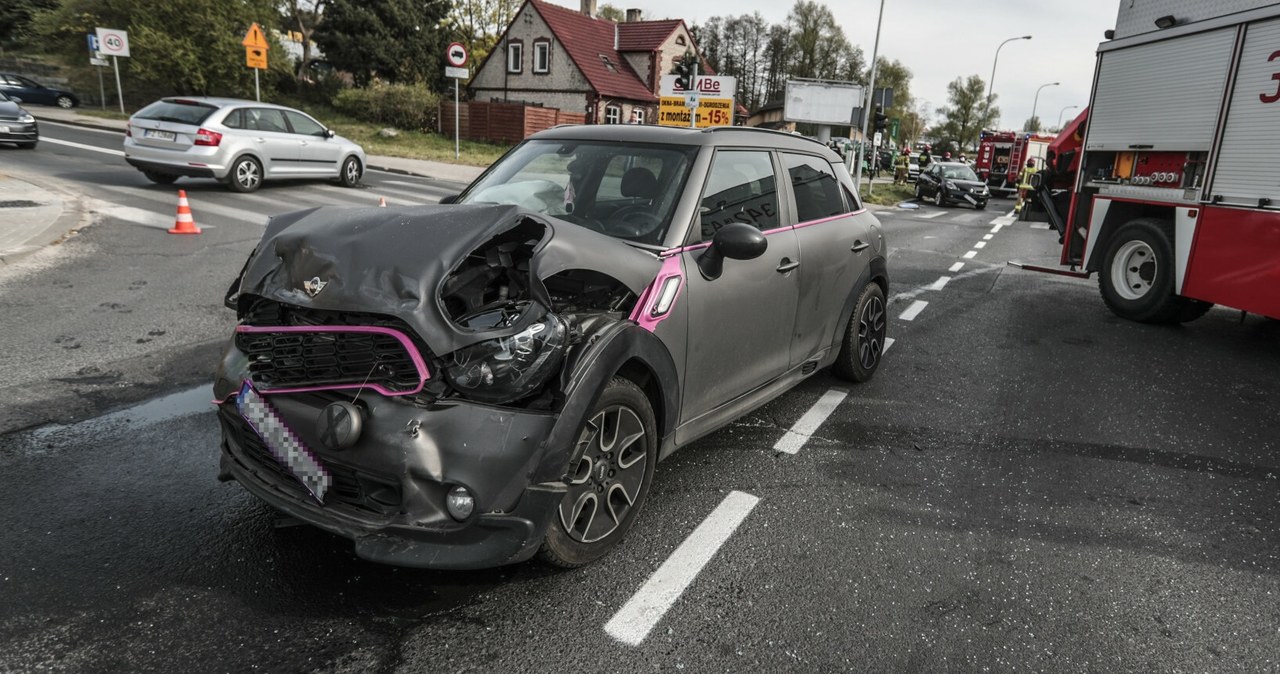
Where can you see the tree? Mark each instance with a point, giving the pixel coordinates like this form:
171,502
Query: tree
306,16
608,11
736,46
479,23
16,17
400,41
819,48
170,52
1032,124
967,112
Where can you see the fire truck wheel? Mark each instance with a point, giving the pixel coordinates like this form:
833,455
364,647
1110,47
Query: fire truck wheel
1136,278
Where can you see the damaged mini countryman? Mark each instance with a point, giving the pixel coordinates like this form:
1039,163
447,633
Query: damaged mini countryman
475,383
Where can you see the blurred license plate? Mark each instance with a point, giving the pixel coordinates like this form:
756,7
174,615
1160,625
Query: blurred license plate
157,134
282,442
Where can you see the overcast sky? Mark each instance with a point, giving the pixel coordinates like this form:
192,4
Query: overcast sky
940,40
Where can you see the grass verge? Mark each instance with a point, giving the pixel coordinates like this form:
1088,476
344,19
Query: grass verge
101,114
888,195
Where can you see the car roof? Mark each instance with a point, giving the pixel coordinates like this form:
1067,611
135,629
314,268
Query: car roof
951,163
672,135
225,102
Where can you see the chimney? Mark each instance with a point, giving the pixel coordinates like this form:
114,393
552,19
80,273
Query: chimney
589,8
633,15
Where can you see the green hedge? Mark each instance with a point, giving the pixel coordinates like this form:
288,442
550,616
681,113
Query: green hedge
404,106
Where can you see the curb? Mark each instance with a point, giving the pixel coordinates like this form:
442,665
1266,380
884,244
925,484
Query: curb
406,172
70,220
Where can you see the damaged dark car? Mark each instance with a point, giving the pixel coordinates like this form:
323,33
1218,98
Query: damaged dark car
475,383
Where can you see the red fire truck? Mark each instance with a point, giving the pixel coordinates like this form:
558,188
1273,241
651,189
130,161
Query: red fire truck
1002,156
1168,185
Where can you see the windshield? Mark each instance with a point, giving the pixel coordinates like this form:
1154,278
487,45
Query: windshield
958,173
627,191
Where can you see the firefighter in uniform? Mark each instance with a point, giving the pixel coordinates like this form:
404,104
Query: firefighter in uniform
1024,184
902,167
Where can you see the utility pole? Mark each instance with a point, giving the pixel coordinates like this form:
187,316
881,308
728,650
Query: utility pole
875,52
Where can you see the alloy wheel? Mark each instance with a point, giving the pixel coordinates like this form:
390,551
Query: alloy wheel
871,329
607,481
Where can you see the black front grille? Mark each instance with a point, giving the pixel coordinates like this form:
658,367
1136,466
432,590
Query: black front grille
350,488
287,360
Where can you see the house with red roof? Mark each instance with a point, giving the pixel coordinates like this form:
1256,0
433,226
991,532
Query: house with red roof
557,57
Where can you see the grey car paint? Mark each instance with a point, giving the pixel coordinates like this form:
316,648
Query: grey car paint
727,344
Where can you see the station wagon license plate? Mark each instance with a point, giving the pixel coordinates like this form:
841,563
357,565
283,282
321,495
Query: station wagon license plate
158,134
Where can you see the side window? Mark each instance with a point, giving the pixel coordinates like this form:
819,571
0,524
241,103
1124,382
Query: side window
817,190
741,187
303,124
262,119
234,119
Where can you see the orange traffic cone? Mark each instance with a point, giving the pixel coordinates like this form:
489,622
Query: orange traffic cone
382,201
184,224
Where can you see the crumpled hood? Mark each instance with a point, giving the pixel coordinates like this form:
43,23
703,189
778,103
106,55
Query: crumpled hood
393,261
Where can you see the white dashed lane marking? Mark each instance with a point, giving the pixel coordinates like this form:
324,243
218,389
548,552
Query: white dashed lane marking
956,267
633,622
913,310
807,425
888,342
940,283
970,255
988,237
980,244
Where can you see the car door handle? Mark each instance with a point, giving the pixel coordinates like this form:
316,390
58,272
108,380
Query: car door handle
859,246
786,265
262,140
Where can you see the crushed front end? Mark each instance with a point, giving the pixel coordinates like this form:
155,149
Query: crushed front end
397,376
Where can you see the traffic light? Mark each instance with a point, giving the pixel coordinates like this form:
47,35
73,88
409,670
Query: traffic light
684,72
881,120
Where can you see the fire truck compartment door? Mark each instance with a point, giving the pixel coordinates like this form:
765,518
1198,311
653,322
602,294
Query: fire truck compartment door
1247,168
1161,95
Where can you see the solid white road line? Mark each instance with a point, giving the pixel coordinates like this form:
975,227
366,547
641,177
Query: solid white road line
956,267
633,622
168,201
980,244
805,427
940,283
137,215
970,255
888,342
119,134
82,146
934,214
913,310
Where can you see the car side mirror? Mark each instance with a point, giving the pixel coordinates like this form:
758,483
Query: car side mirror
450,199
328,133
736,241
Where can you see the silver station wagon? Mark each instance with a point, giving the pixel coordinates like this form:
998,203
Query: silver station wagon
240,143
475,383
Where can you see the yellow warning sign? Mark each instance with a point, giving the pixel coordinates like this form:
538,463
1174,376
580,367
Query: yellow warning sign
711,112
255,58
255,38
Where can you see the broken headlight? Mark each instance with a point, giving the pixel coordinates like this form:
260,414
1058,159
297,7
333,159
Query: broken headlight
506,369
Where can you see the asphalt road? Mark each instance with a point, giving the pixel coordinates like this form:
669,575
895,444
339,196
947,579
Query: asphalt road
1028,484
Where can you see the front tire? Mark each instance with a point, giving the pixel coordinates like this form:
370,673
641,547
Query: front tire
981,205
351,172
938,198
65,102
245,175
1137,274
863,342
609,483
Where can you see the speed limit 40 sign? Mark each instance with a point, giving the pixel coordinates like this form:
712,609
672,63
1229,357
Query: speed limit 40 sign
112,42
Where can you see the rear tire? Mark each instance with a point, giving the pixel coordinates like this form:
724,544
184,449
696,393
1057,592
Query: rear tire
1137,275
160,178
65,102
609,484
863,342
245,175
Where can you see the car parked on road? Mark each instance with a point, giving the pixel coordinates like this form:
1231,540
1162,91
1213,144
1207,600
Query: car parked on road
952,182
913,168
17,126
239,142
31,91
470,384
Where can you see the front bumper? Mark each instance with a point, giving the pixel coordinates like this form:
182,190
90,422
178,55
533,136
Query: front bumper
388,490
19,132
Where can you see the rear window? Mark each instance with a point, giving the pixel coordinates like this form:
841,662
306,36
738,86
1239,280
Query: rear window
182,112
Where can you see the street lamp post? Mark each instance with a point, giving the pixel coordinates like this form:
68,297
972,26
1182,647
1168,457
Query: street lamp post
991,83
866,110
1069,107
1036,102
